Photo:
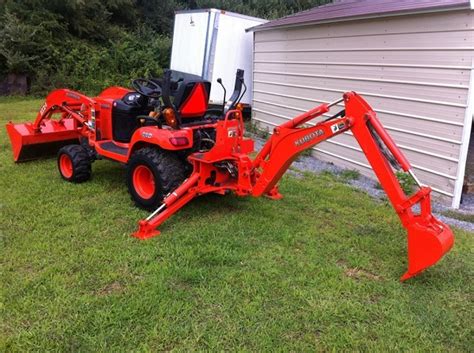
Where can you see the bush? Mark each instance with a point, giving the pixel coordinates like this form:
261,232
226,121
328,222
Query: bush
406,181
88,45
89,68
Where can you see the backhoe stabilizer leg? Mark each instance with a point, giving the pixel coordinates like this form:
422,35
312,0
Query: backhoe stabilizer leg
145,230
171,204
274,194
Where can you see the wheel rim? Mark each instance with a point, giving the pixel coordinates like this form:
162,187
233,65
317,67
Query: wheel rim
144,182
65,166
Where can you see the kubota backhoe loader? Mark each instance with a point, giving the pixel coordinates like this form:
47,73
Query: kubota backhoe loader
162,141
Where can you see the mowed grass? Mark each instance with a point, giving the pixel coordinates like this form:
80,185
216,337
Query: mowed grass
316,271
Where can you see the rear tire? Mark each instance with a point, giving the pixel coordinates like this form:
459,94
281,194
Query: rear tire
152,174
74,163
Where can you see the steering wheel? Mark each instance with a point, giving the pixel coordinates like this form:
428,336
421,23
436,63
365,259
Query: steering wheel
147,87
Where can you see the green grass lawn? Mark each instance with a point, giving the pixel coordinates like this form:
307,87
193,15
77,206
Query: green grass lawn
316,271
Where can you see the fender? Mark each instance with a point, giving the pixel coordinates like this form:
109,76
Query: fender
167,139
115,92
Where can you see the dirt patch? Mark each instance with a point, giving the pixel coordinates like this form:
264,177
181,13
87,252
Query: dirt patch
111,288
374,299
179,285
358,273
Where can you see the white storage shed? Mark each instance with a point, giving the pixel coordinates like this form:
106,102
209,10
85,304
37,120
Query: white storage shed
412,60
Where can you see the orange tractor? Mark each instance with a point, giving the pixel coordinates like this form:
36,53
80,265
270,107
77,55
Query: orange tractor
176,149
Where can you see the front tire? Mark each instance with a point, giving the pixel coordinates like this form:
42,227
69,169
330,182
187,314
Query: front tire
152,174
74,163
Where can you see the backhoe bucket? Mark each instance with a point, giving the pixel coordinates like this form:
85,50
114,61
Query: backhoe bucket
28,144
428,241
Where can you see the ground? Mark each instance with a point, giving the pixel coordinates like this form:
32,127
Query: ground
316,271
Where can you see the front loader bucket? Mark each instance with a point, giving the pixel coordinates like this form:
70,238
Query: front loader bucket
428,241
28,144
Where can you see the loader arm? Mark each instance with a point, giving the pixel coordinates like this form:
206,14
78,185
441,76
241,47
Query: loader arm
46,135
62,101
228,168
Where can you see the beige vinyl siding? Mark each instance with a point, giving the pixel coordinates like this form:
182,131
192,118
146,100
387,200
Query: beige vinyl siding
414,70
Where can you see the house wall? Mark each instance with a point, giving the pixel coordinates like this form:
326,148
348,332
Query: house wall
414,70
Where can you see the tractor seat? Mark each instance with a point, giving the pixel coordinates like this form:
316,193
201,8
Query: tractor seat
192,99
188,93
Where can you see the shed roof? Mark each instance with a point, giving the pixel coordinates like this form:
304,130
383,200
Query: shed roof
353,9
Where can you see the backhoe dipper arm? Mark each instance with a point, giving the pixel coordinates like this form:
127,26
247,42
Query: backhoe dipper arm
428,238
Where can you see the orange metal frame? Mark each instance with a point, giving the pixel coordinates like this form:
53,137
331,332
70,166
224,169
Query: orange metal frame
227,167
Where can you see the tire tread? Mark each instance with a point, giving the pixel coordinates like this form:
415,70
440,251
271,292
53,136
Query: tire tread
170,172
81,162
